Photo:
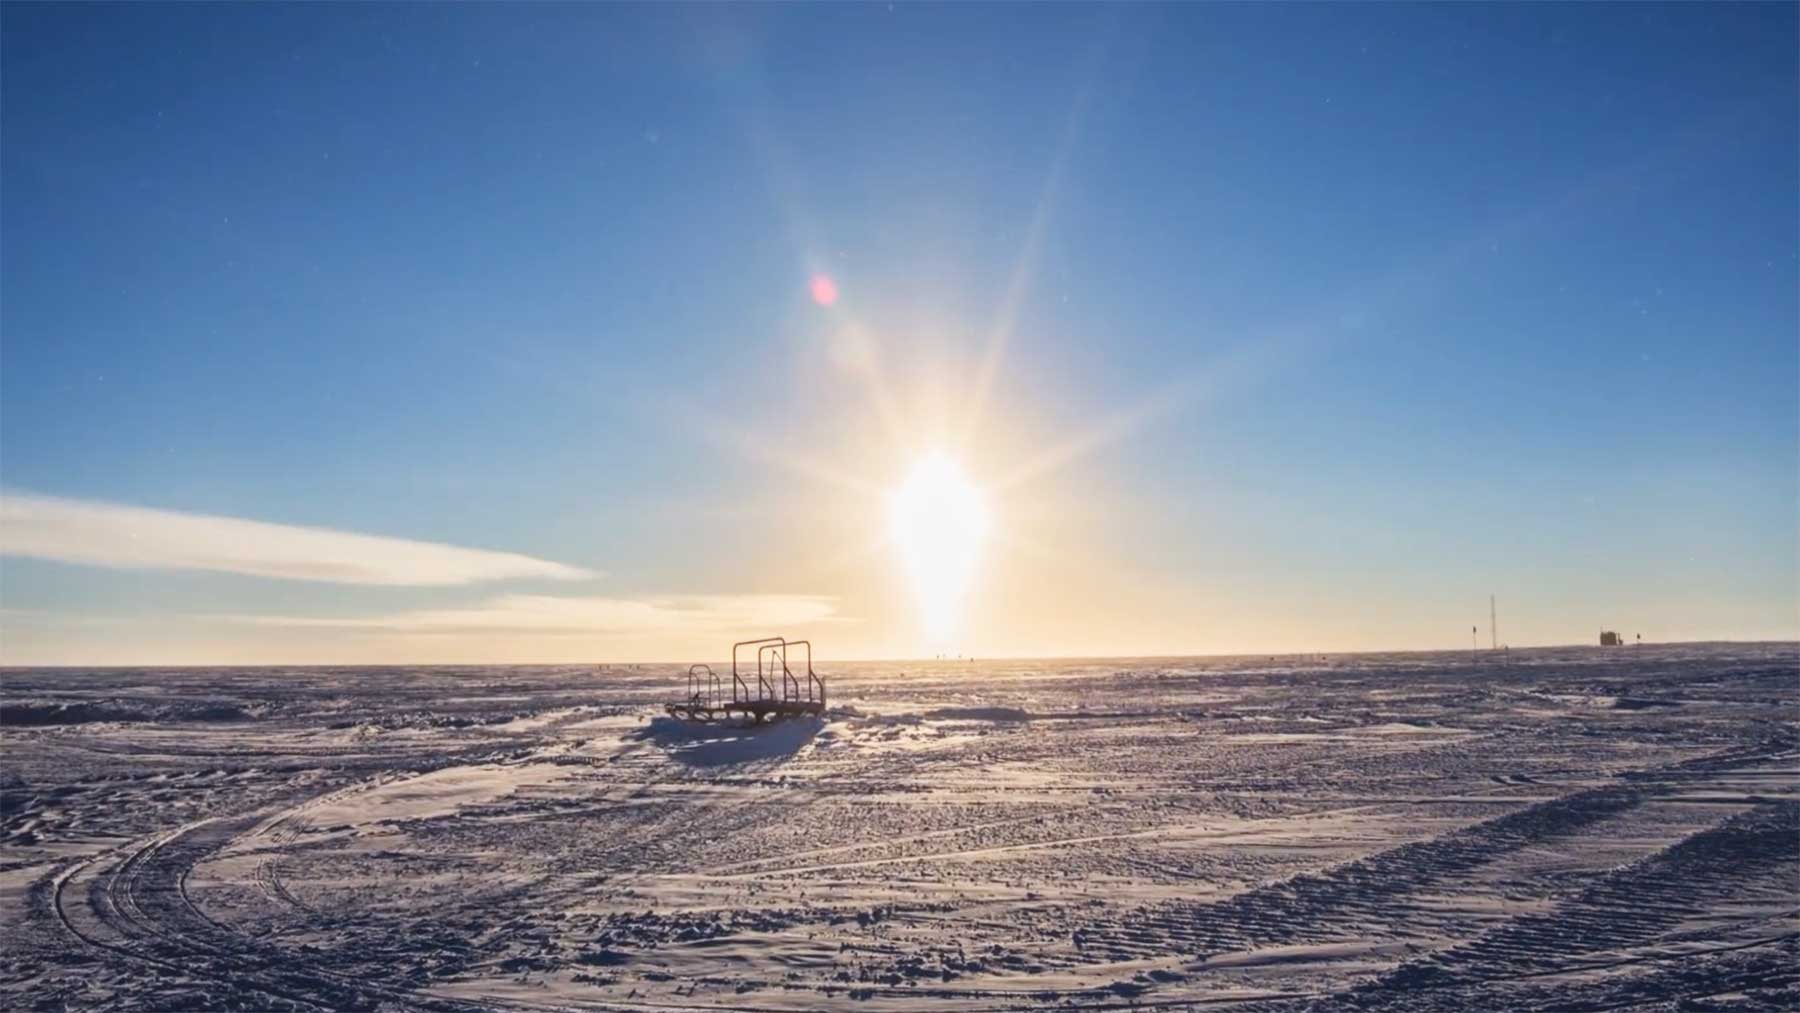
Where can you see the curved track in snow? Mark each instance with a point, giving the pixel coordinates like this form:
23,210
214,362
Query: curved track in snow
1374,837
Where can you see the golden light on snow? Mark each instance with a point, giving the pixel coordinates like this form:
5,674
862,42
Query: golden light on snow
938,521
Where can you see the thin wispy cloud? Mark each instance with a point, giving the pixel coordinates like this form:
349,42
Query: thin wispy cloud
138,538
587,616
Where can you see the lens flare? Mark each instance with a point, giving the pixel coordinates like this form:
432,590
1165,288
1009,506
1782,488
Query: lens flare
938,521
824,290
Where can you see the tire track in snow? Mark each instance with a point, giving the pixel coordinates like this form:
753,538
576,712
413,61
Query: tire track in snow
1325,905
135,944
1635,905
143,900
1373,891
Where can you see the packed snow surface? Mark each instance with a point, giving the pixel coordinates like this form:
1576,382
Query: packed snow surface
1569,829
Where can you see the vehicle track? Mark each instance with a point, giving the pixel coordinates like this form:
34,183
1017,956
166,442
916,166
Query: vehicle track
192,927
524,895
143,900
1637,904
280,830
1322,906
100,897
132,899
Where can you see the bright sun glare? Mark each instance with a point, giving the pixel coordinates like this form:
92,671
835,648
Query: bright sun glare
938,521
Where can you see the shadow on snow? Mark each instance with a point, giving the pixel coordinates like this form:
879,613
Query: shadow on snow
717,745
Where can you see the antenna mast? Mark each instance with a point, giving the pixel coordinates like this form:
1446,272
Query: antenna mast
1493,626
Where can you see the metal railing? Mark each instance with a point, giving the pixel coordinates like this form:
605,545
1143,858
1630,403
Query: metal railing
772,656
769,657
761,684
811,679
694,685
706,702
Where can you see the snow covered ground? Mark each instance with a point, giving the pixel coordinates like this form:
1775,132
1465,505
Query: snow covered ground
1578,829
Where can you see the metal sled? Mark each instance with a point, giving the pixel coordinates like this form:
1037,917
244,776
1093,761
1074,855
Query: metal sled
779,694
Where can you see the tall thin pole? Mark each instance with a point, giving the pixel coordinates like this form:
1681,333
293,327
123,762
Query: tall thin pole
1493,626
1472,630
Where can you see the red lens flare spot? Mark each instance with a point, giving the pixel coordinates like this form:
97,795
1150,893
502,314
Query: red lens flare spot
824,290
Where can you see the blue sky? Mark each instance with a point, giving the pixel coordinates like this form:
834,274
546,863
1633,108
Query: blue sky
1259,328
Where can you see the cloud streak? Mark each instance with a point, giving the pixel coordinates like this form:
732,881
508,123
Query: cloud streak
137,538
588,616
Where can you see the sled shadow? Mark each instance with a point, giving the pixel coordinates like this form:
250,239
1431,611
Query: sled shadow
717,745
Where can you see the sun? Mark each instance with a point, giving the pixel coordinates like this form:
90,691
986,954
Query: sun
938,521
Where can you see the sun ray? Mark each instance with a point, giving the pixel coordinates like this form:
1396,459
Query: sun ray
798,465
1025,269
786,188
1234,370
865,363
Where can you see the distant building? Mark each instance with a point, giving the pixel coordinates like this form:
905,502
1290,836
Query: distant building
1609,639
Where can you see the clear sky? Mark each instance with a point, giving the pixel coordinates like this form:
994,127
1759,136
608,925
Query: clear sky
539,333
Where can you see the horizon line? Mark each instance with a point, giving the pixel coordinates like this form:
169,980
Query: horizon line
1625,648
